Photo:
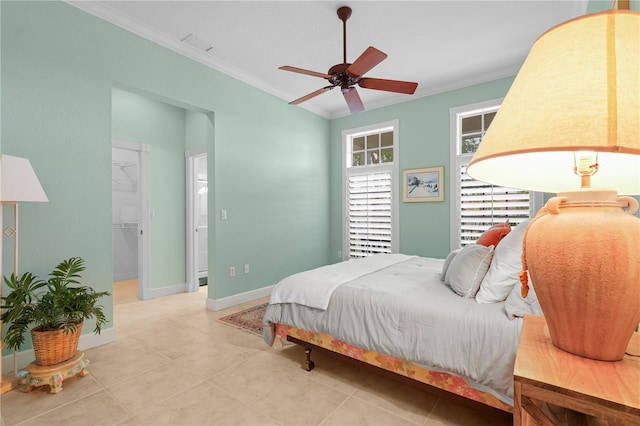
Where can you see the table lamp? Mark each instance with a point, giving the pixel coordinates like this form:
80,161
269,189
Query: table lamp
570,124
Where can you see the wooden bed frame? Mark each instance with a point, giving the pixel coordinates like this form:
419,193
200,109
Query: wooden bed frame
435,382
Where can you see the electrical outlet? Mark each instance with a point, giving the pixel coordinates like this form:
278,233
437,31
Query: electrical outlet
232,271
246,268
339,254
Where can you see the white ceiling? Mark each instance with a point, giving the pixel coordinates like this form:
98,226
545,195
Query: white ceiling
442,45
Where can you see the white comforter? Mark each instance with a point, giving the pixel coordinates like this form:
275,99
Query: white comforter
404,310
314,288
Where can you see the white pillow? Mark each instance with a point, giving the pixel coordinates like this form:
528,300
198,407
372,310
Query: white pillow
517,306
506,265
468,268
447,262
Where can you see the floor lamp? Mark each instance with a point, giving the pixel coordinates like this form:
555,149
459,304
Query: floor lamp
18,183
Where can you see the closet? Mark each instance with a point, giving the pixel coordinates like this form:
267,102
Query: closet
124,184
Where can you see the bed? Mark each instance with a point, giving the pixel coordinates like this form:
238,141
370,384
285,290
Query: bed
450,325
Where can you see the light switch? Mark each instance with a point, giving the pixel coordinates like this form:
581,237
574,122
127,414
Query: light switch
223,214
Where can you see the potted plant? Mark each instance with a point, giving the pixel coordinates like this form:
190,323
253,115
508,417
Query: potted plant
56,308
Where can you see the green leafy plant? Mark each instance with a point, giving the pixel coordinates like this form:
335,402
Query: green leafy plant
61,302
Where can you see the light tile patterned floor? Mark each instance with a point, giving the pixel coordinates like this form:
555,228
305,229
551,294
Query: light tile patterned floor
174,364
125,291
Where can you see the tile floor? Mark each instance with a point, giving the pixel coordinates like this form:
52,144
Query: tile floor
174,364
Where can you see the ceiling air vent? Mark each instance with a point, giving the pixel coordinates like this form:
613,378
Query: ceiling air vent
198,43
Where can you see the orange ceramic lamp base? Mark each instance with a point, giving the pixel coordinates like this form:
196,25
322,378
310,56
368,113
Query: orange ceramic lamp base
583,256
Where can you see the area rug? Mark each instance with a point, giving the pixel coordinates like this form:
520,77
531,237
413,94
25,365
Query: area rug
248,320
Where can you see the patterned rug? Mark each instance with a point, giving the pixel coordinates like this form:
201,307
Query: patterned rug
249,320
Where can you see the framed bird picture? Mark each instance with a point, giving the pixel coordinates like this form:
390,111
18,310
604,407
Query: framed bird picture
422,185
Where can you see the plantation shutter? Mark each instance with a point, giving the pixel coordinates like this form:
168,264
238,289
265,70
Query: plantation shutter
483,205
369,213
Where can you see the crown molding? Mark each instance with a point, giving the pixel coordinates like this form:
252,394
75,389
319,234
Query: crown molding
108,14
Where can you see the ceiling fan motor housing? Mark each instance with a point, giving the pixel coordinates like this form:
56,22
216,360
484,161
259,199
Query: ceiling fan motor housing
339,76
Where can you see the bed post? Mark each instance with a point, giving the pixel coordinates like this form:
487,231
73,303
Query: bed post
308,365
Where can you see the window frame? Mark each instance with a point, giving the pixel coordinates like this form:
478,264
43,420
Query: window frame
457,159
391,167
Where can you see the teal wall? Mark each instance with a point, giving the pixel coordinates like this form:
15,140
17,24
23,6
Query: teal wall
602,5
423,142
66,79
199,129
267,159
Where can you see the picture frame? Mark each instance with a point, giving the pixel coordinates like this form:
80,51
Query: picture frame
423,185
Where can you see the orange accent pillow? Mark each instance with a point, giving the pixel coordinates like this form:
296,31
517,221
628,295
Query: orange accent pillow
493,235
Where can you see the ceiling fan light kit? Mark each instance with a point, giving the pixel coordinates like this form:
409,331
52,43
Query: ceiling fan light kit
347,75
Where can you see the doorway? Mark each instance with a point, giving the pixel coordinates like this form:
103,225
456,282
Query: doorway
197,220
129,211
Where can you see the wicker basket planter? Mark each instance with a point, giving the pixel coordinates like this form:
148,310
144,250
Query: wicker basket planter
55,304
56,346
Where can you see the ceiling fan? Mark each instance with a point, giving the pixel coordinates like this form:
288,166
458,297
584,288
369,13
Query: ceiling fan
347,75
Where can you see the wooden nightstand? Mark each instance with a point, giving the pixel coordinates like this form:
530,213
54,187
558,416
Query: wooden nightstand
546,374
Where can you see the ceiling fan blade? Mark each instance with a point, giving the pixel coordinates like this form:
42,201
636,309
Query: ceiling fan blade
369,59
311,95
407,87
353,100
303,71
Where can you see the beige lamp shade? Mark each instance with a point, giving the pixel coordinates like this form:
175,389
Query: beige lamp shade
18,181
578,90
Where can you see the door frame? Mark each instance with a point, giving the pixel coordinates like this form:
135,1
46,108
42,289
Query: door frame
143,212
193,281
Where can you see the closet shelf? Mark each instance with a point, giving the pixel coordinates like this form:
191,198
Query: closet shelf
125,225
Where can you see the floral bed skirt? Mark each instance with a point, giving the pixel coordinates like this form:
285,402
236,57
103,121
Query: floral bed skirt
448,382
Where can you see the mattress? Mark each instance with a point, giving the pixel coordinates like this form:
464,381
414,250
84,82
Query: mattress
404,310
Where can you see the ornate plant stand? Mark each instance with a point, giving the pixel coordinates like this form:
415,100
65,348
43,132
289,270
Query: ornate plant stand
52,375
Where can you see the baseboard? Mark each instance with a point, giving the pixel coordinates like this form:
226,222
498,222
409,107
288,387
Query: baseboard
152,293
125,276
227,302
87,341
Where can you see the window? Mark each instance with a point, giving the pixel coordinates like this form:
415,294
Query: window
478,205
369,192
